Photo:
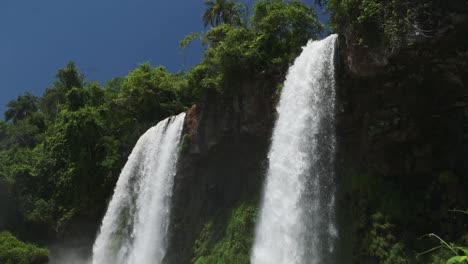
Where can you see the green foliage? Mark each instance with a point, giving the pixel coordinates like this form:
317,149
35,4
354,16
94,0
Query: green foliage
24,133
392,196
21,108
189,39
233,54
184,144
152,93
381,243
202,79
69,77
233,247
53,101
223,12
375,21
391,24
282,29
440,256
448,253
458,259
61,155
265,46
76,98
451,253
13,251
204,242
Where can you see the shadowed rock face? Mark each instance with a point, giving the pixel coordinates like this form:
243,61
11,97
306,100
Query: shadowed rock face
412,119
440,20
225,163
407,127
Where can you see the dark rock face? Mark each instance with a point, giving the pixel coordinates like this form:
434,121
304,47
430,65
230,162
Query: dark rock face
364,61
420,103
229,140
429,26
407,126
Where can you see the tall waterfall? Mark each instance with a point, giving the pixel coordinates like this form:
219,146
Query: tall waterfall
135,226
296,222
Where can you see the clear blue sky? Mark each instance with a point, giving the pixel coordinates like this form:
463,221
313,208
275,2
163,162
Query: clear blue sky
105,38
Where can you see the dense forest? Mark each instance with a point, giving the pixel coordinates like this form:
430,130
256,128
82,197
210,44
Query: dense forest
61,153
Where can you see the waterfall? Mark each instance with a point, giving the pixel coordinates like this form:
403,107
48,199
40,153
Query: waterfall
134,229
296,221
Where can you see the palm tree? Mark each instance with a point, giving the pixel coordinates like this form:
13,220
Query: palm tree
221,11
22,107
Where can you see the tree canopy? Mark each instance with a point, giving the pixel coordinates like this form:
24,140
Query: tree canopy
24,106
222,12
13,251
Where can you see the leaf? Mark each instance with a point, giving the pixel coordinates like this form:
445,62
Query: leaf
457,259
189,39
464,249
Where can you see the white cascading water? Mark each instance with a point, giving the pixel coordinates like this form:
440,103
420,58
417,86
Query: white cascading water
134,229
296,222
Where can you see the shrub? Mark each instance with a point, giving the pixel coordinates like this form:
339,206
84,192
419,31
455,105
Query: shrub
234,246
14,251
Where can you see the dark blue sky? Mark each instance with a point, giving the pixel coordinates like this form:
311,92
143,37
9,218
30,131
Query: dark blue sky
105,38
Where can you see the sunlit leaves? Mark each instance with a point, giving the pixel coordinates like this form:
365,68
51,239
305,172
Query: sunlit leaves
14,251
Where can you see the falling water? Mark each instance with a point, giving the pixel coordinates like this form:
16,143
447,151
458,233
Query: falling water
296,224
134,229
